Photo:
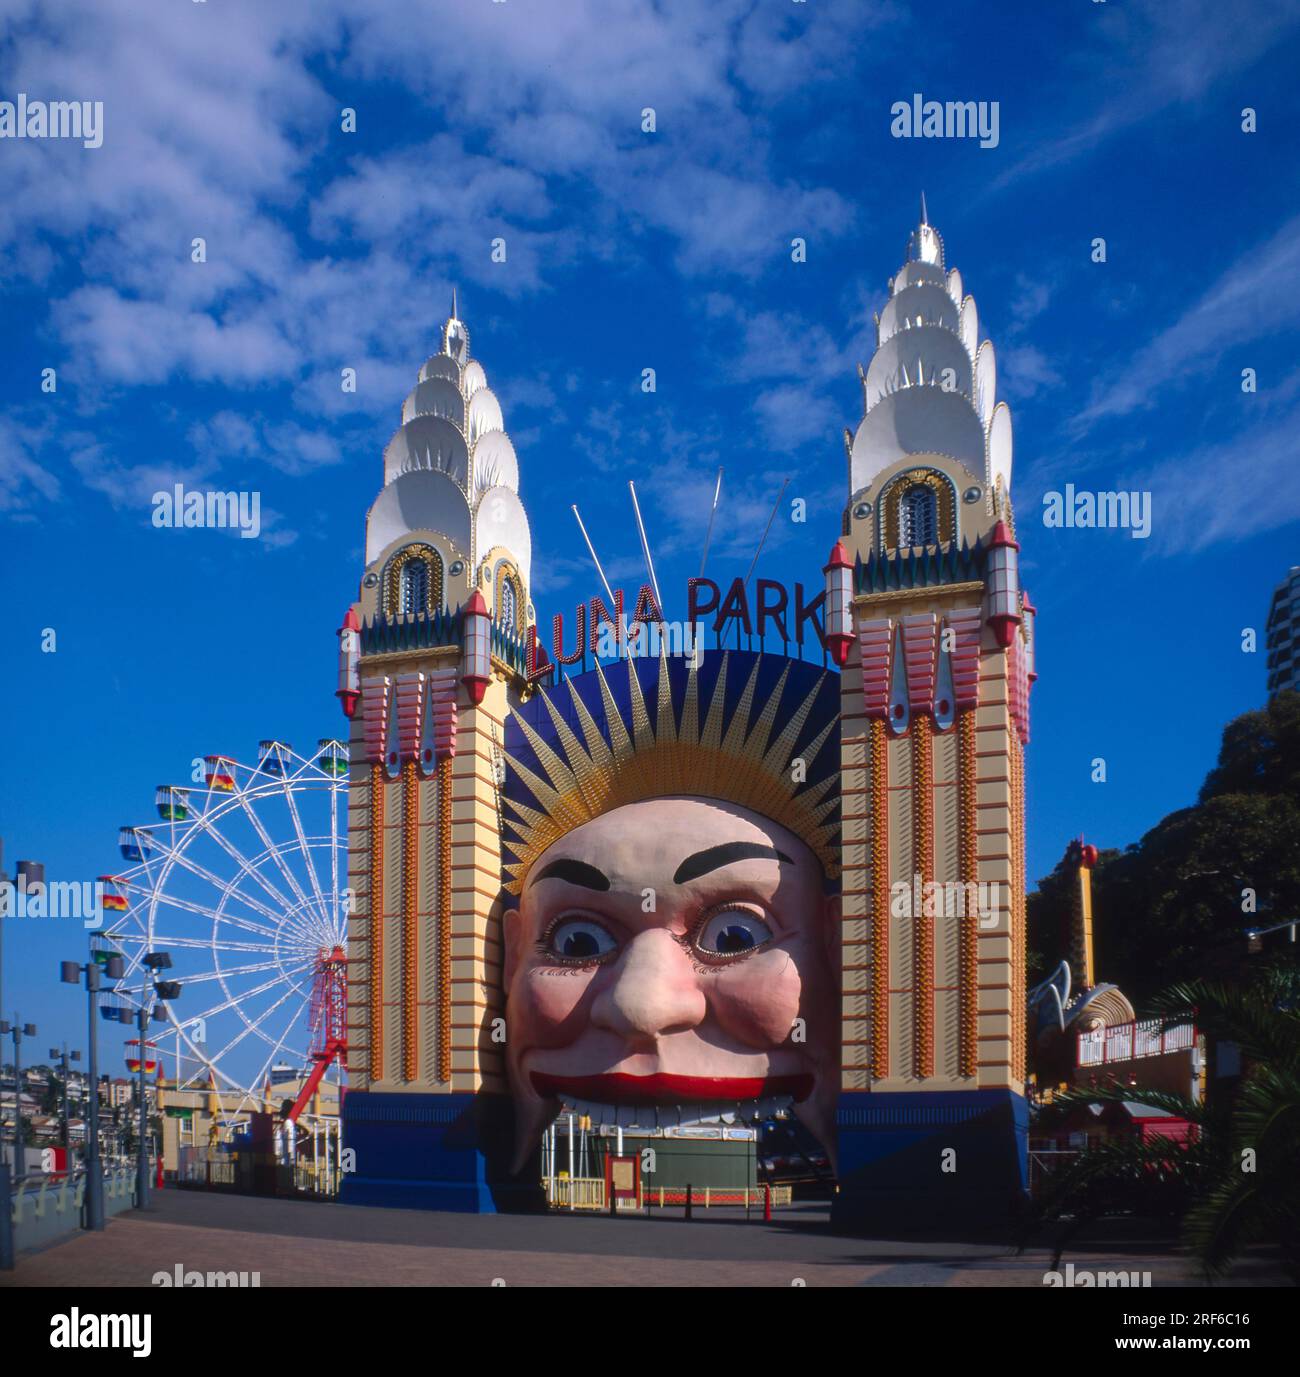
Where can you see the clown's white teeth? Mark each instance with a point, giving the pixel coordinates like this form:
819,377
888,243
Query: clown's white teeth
649,1117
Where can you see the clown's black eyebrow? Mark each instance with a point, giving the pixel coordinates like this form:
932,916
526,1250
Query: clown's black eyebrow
717,856
576,872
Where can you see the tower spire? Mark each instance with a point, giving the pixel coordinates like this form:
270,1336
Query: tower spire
925,219
455,311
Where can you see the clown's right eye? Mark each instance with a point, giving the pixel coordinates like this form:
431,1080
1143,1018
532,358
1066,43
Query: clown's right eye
580,939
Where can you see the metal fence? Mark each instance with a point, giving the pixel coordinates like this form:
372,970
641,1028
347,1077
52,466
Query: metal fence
1047,1164
588,1193
45,1207
1128,1041
219,1169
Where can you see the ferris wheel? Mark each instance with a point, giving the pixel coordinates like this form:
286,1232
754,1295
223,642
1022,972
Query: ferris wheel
242,882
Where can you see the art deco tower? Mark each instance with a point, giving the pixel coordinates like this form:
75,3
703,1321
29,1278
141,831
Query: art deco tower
431,655
939,659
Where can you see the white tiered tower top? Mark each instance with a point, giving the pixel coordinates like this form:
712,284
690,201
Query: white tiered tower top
451,477
931,386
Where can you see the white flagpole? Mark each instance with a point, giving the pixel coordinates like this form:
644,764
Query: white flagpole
766,529
645,544
713,511
591,550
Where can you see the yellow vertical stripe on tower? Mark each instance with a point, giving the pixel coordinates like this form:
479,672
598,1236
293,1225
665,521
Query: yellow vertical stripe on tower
923,925
1019,1032
879,901
444,919
968,798
376,921
410,922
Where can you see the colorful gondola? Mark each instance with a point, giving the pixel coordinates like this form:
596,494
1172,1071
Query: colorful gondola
172,802
111,898
219,774
333,757
133,1062
272,757
135,843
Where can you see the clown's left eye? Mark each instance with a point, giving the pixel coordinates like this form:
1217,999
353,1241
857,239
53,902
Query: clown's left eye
733,932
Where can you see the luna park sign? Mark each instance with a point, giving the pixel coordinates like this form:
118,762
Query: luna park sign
602,631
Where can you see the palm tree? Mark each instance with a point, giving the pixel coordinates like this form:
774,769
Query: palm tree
1236,1182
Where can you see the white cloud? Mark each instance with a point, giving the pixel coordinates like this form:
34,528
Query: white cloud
1145,57
1193,504
1253,298
24,480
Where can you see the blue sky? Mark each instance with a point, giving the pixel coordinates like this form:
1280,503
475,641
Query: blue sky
625,250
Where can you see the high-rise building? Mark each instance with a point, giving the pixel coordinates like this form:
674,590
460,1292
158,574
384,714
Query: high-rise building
933,1116
1284,635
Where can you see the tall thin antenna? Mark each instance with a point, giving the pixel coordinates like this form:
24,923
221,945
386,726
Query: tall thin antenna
713,511
645,545
592,550
766,529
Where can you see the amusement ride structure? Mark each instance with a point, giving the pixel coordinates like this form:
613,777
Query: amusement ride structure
241,881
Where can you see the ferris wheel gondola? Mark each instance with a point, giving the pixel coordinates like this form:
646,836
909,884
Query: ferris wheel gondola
242,883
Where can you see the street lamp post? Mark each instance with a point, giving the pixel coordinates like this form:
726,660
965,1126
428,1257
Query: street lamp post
71,972
151,990
28,874
18,1031
63,1058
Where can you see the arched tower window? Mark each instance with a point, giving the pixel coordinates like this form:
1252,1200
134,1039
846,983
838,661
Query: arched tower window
918,516
413,583
917,508
414,591
509,600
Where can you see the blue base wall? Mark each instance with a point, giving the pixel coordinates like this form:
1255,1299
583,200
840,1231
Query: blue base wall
892,1154
434,1152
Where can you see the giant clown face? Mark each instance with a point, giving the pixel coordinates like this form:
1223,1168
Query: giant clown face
671,961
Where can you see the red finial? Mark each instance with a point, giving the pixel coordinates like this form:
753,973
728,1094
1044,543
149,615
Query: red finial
839,558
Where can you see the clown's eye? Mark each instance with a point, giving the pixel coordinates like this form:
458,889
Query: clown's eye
580,939
733,932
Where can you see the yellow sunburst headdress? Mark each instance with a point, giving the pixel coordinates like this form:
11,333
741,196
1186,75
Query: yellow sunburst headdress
780,759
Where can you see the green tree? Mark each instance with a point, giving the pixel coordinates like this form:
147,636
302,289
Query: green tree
52,1097
1175,906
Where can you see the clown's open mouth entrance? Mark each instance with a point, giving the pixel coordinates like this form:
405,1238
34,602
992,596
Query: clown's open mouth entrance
669,1101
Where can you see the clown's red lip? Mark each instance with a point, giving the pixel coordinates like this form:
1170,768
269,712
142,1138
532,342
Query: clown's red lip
618,1088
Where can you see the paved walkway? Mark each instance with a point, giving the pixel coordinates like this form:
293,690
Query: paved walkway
297,1243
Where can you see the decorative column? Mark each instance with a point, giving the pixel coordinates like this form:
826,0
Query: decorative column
968,1055
879,899
444,919
922,924
410,920
375,921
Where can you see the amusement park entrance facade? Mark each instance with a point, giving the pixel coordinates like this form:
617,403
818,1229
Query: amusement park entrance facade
502,803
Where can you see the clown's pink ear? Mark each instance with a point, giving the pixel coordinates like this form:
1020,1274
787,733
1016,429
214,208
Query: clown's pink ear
512,935
831,930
